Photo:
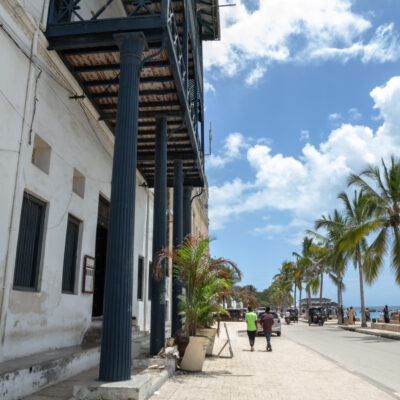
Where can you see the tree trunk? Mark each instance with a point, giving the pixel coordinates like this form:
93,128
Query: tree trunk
339,294
301,288
320,289
308,299
295,295
363,319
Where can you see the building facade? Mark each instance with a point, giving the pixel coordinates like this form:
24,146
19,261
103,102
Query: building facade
57,137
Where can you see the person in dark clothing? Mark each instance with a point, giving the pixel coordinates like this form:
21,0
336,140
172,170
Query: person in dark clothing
267,320
386,314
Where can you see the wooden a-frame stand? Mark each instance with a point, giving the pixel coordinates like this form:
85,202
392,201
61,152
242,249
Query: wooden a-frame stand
228,341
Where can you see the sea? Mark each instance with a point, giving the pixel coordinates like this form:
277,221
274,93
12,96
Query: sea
374,314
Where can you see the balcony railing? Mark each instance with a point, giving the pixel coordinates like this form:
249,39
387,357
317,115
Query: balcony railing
66,11
78,13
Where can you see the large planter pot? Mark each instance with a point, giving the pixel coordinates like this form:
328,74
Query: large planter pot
210,333
195,353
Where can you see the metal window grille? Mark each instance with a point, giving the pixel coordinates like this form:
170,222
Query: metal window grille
70,255
30,240
140,279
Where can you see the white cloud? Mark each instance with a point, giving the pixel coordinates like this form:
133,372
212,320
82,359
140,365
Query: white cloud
208,87
232,149
354,114
334,116
295,31
255,75
307,186
304,135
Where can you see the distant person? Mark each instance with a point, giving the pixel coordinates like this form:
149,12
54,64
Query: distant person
381,315
251,320
267,320
351,316
386,314
367,315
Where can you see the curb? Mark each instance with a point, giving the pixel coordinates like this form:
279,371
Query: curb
386,335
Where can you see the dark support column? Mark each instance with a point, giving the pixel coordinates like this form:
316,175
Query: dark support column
178,238
157,333
187,210
115,360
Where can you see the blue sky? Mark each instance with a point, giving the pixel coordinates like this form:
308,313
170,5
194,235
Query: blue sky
300,93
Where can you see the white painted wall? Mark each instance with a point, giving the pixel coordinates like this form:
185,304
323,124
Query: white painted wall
38,321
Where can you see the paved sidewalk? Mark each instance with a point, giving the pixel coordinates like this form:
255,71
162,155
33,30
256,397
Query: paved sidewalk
291,371
370,331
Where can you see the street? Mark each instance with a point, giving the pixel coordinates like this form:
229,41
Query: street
290,371
375,359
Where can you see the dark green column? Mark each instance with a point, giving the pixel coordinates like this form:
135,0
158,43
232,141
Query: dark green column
157,333
178,238
187,210
115,359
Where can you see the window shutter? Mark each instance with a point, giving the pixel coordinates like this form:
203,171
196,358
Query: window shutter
30,240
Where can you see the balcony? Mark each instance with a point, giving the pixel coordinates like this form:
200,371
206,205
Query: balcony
171,81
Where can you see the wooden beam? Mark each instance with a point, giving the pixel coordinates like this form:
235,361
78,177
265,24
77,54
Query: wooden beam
114,67
158,92
144,105
144,114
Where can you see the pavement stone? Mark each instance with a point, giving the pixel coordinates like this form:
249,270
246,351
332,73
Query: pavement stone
290,371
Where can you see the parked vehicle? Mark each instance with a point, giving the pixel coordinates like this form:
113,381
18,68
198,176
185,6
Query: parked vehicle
235,314
294,315
276,327
316,315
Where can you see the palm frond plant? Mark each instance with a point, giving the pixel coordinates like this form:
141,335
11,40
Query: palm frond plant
204,278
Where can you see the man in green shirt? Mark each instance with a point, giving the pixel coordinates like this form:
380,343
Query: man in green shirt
251,320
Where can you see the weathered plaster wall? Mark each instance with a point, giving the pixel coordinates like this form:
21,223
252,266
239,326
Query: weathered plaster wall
37,321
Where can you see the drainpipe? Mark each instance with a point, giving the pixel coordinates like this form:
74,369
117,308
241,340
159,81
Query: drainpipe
13,222
146,257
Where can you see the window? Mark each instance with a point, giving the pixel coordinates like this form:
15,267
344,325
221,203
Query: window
41,154
78,183
150,285
140,279
70,255
30,243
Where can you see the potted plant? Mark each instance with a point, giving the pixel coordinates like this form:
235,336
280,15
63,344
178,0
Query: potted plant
204,279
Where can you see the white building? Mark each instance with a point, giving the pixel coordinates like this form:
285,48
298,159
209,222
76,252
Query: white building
55,177
56,164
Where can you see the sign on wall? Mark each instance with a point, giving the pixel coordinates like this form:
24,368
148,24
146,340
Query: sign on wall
88,274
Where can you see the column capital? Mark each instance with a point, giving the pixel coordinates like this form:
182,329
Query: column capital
132,43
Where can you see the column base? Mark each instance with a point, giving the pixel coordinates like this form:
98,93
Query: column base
137,388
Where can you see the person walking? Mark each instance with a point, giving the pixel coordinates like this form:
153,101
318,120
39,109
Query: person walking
267,320
386,314
251,320
351,316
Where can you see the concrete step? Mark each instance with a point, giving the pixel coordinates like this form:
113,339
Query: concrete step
26,375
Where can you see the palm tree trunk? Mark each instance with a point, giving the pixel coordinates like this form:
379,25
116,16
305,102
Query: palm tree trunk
295,295
320,289
339,295
301,288
308,299
363,319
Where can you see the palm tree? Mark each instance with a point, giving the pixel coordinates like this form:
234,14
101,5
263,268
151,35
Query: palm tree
384,194
304,263
336,259
359,226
